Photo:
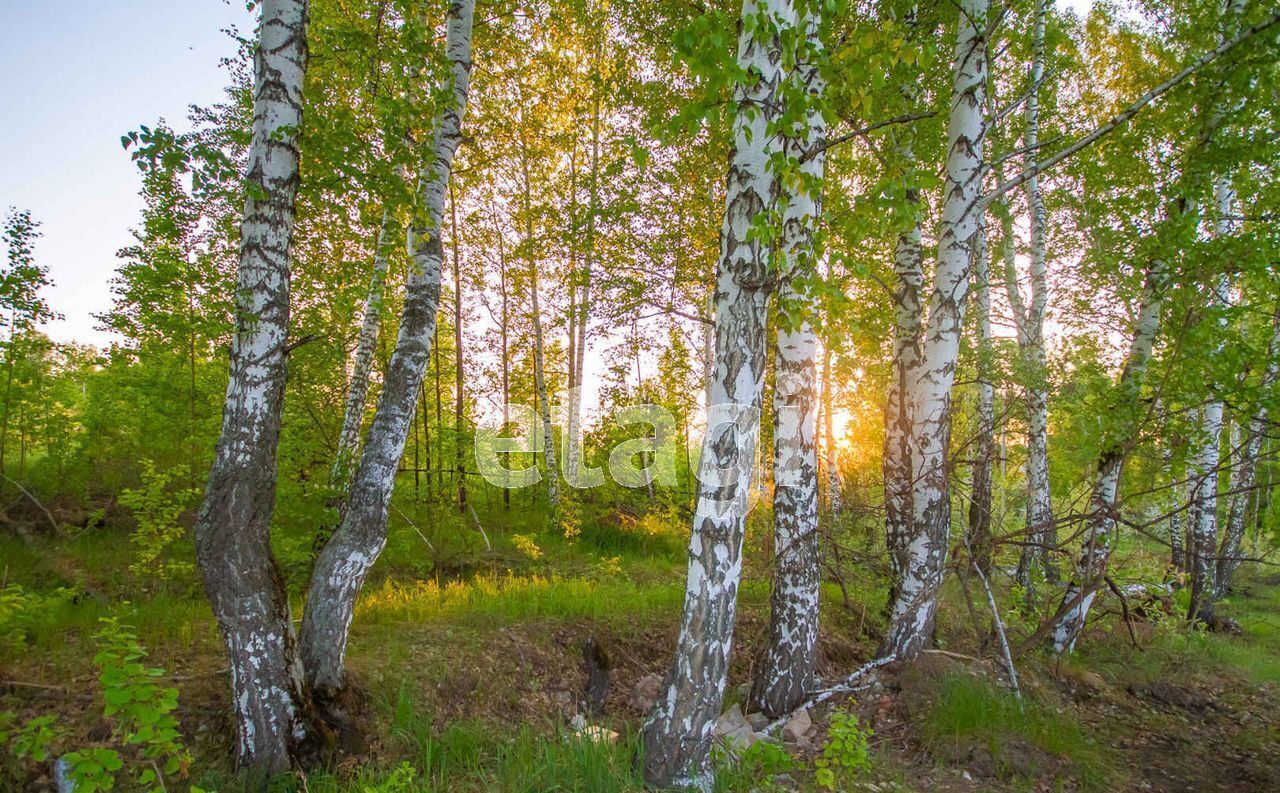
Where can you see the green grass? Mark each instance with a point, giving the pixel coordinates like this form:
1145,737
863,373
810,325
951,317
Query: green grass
969,709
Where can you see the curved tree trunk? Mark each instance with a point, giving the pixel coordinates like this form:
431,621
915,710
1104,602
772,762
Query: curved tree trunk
341,568
1091,568
784,675
232,532
362,359
915,603
677,736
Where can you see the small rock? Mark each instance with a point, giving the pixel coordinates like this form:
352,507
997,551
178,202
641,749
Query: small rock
578,723
563,698
731,720
646,693
758,721
798,727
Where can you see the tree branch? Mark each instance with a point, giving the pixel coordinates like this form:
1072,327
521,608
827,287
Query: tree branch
1133,109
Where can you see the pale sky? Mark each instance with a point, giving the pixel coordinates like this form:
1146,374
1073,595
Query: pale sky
76,75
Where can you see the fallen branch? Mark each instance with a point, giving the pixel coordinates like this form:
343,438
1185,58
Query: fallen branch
1124,607
1004,641
34,500
822,695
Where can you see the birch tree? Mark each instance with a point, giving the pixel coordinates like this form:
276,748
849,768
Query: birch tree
1203,539
1029,325
784,675
1244,476
908,315
979,537
232,531
1091,566
677,736
928,396
345,561
362,358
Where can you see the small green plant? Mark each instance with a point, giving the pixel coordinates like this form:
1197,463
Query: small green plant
94,769
22,611
141,708
402,780
34,740
847,750
526,545
157,507
752,768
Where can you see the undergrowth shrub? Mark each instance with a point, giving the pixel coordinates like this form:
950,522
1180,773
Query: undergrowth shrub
144,730
847,751
157,507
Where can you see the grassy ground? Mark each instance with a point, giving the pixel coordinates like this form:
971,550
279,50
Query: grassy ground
468,667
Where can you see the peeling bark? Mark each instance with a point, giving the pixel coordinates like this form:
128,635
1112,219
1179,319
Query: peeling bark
784,675
677,736
928,398
345,561
232,531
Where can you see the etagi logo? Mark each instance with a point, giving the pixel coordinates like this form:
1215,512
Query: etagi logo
724,471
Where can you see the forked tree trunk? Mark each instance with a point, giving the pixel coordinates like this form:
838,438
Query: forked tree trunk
341,568
784,675
677,736
1203,540
232,532
1244,477
924,554
1202,544
1091,568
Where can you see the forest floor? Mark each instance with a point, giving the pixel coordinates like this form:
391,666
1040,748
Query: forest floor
474,682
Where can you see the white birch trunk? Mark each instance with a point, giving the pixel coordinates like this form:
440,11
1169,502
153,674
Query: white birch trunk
573,453
362,359
345,561
1245,475
929,396
232,532
1203,550
979,528
677,736
544,401
784,675
1091,568
835,489
1041,533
